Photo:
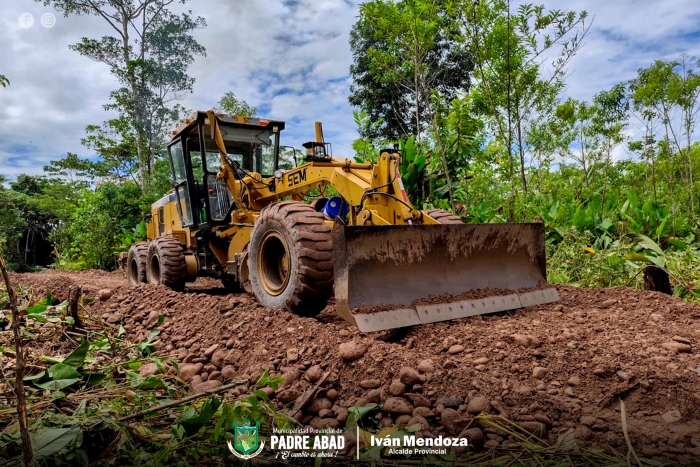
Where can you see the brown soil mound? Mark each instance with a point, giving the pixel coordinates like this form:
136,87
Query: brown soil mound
60,282
549,368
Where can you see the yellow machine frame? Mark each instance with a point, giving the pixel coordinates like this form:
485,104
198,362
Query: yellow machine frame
376,188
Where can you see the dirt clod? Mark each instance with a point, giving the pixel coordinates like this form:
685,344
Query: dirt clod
677,347
478,405
314,373
539,372
104,294
398,406
409,376
351,351
370,383
206,386
148,369
188,371
397,388
319,404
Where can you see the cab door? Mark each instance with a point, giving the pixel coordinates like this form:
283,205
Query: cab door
178,166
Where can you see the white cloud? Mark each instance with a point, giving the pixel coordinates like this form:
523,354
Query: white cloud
288,57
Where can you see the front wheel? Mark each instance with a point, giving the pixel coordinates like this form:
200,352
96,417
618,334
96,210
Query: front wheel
291,258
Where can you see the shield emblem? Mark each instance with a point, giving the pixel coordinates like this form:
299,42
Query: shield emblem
245,437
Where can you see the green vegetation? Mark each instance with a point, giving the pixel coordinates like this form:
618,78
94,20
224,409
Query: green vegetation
507,145
92,406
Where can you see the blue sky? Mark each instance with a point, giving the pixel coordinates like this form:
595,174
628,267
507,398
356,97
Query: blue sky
288,57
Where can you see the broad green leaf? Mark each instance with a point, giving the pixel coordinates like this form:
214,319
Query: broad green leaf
70,320
678,244
263,379
192,423
62,371
662,226
649,244
77,357
356,413
625,207
151,382
82,457
36,309
62,376
36,376
94,378
639,258
52,440
606,224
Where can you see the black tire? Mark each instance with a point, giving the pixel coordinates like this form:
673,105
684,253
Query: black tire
137,264
291,258
166,263
231,284
444,217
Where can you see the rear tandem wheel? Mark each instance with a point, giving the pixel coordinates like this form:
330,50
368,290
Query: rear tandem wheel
444,217
166,263
137,264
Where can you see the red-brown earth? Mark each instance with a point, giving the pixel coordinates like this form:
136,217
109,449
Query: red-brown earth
549,368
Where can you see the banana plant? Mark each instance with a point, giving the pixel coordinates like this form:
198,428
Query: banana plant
652,220
412,166
646,250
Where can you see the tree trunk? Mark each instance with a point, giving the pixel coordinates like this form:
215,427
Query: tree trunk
443,154
690,167
511,201
142,170
417,99
522,156
509,143
19,370
657,280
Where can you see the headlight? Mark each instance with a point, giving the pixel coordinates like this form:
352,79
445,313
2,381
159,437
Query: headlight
278,173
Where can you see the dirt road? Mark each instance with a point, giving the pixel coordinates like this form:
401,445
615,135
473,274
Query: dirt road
550,368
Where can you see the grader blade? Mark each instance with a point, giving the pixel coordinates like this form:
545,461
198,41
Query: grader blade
389,277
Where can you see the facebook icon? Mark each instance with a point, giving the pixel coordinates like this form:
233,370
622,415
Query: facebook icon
26,20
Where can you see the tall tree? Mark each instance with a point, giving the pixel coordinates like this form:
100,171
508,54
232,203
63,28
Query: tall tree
230,104
611,114
510,50
402,50
572,127
149,51
73,169
669,92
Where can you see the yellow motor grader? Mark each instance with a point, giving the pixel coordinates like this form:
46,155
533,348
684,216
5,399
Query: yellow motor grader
241,213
